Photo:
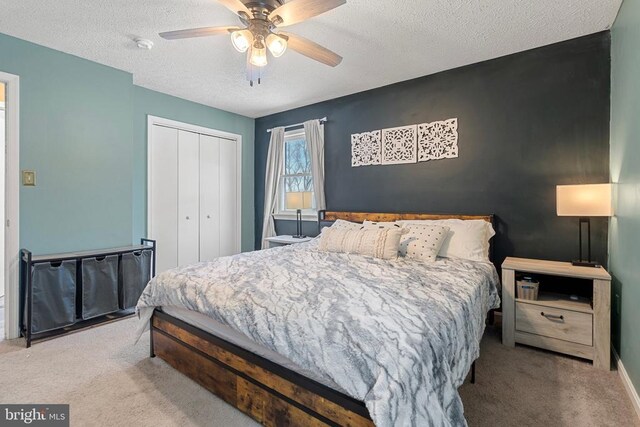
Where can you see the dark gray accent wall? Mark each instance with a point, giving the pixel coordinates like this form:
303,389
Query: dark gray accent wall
527,122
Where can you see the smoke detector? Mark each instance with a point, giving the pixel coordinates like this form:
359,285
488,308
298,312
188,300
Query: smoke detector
144,43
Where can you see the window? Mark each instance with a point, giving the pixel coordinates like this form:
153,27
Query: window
296,182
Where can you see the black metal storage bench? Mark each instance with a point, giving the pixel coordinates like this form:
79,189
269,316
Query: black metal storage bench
66,292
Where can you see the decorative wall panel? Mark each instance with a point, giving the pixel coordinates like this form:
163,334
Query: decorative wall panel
366,148
438,140
399,145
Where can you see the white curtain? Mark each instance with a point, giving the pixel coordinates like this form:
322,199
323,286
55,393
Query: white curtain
271,182
314,134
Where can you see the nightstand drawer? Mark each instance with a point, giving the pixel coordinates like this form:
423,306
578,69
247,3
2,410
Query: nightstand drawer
557,323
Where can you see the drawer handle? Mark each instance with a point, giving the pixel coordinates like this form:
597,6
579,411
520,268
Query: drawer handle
552,316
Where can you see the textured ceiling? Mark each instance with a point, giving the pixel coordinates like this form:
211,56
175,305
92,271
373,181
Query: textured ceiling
382,41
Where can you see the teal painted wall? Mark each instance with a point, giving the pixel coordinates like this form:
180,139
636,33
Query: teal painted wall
624,242
83,130
75,132
148,102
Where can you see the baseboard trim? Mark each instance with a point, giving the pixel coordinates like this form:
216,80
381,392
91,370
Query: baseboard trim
628,385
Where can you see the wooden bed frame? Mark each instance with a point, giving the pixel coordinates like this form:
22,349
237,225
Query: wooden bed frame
269,393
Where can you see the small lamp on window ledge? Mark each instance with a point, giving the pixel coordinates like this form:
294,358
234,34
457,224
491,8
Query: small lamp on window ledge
299,200
584,201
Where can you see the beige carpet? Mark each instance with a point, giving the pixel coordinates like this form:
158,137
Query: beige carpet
110,382
524,386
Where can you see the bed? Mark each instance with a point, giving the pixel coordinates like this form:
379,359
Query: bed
297,336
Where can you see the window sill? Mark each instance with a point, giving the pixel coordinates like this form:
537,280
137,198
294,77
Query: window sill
292,217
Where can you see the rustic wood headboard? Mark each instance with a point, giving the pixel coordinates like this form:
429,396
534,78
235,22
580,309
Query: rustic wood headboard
326,217
329,216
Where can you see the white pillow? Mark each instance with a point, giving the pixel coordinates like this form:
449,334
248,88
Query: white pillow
375,224
468,239
423,241
341,224
375,242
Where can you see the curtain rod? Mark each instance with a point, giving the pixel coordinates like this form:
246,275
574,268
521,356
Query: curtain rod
322,120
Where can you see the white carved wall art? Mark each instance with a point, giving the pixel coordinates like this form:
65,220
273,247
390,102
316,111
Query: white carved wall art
438,140
399,145
366,148
406,144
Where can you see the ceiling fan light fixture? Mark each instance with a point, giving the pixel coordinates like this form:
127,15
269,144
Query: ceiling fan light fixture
277,45
260,31
241,40
258,56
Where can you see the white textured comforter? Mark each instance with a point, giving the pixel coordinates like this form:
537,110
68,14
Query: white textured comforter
399,335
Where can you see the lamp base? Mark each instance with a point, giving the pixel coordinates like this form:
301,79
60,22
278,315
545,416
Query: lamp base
594,264
299,237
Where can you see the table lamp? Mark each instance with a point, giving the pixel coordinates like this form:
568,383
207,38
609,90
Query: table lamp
299,200
584,201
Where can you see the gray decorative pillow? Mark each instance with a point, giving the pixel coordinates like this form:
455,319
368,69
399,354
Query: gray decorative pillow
376,242
423,242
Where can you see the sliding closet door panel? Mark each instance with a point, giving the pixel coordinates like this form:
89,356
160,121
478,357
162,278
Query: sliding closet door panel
163,189
209,198
188,197
229,217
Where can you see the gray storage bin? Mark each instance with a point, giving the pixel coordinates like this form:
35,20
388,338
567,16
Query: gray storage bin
135,273
54,296
99,286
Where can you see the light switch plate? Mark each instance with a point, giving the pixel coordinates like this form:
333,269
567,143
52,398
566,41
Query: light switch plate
29,178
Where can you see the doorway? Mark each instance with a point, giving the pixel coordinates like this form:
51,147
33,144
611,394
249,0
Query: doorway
9,209
2,202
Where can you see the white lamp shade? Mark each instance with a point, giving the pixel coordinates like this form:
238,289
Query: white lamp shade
298,200
584,200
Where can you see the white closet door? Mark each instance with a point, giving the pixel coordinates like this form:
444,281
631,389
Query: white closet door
209,198
188,197
229,216
163,189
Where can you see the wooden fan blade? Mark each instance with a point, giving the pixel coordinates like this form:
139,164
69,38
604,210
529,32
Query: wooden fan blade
236,6
300,10
313,50
197,32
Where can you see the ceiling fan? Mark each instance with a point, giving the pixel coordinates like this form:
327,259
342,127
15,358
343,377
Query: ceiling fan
262,20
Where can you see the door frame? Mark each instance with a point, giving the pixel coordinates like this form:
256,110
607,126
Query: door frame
12,206
161,121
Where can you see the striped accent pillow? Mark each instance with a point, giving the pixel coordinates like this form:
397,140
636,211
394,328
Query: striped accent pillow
375,242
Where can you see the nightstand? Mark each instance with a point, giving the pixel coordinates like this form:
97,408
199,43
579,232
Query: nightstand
286,240
578,326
